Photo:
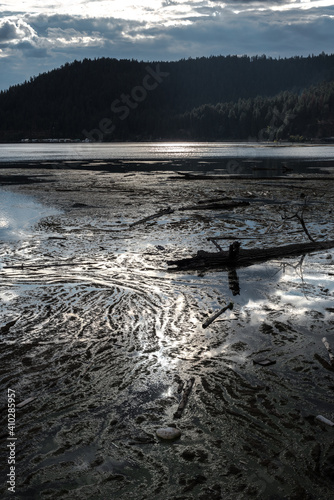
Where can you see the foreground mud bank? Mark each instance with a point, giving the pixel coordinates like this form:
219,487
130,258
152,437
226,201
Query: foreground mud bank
105,337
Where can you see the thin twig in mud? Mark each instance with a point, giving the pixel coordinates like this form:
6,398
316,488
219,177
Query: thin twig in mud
299,215
330,353
301,220
295,267
185,397
214,316
213,240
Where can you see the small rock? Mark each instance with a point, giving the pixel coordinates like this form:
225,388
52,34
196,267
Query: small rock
264,361
168,433
324,420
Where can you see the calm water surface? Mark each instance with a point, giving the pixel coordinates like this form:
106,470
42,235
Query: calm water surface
162,150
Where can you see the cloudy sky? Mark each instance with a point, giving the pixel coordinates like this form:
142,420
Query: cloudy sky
36,36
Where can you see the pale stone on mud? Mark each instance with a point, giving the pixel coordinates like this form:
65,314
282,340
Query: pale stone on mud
325,420
168,433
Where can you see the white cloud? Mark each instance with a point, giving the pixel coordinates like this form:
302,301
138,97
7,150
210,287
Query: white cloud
15,30
52,34
63,37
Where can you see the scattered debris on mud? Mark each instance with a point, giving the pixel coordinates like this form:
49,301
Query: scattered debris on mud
104,344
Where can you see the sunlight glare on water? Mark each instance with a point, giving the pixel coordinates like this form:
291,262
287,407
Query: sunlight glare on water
159,150
18,213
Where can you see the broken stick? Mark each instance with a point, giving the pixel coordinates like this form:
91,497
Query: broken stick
214,316
25,402
213,240
330,353
185,397
154,216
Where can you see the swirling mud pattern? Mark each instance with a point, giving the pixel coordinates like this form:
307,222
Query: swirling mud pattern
105,337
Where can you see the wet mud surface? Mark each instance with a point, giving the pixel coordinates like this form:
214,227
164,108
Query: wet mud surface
105,336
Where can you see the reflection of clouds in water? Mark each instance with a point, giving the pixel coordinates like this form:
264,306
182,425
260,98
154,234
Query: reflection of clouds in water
18,213
290,305
253,283
285,288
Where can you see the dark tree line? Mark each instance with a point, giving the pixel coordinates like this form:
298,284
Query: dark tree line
287,115
215,98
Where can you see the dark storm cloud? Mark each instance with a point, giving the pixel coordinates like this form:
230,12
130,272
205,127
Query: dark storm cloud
244,34
7,31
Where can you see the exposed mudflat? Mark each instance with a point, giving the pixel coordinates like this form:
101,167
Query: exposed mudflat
97,327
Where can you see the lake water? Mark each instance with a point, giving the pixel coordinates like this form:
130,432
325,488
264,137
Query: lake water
161,150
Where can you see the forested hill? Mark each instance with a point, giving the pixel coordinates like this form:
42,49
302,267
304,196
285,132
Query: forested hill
215,98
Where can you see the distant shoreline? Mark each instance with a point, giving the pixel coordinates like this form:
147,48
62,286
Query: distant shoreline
74,153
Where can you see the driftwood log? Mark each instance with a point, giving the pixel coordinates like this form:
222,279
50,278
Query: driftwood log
246,257
216,206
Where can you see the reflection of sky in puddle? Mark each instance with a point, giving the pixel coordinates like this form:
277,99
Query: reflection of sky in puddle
18,213
289,287
299,288
283,298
